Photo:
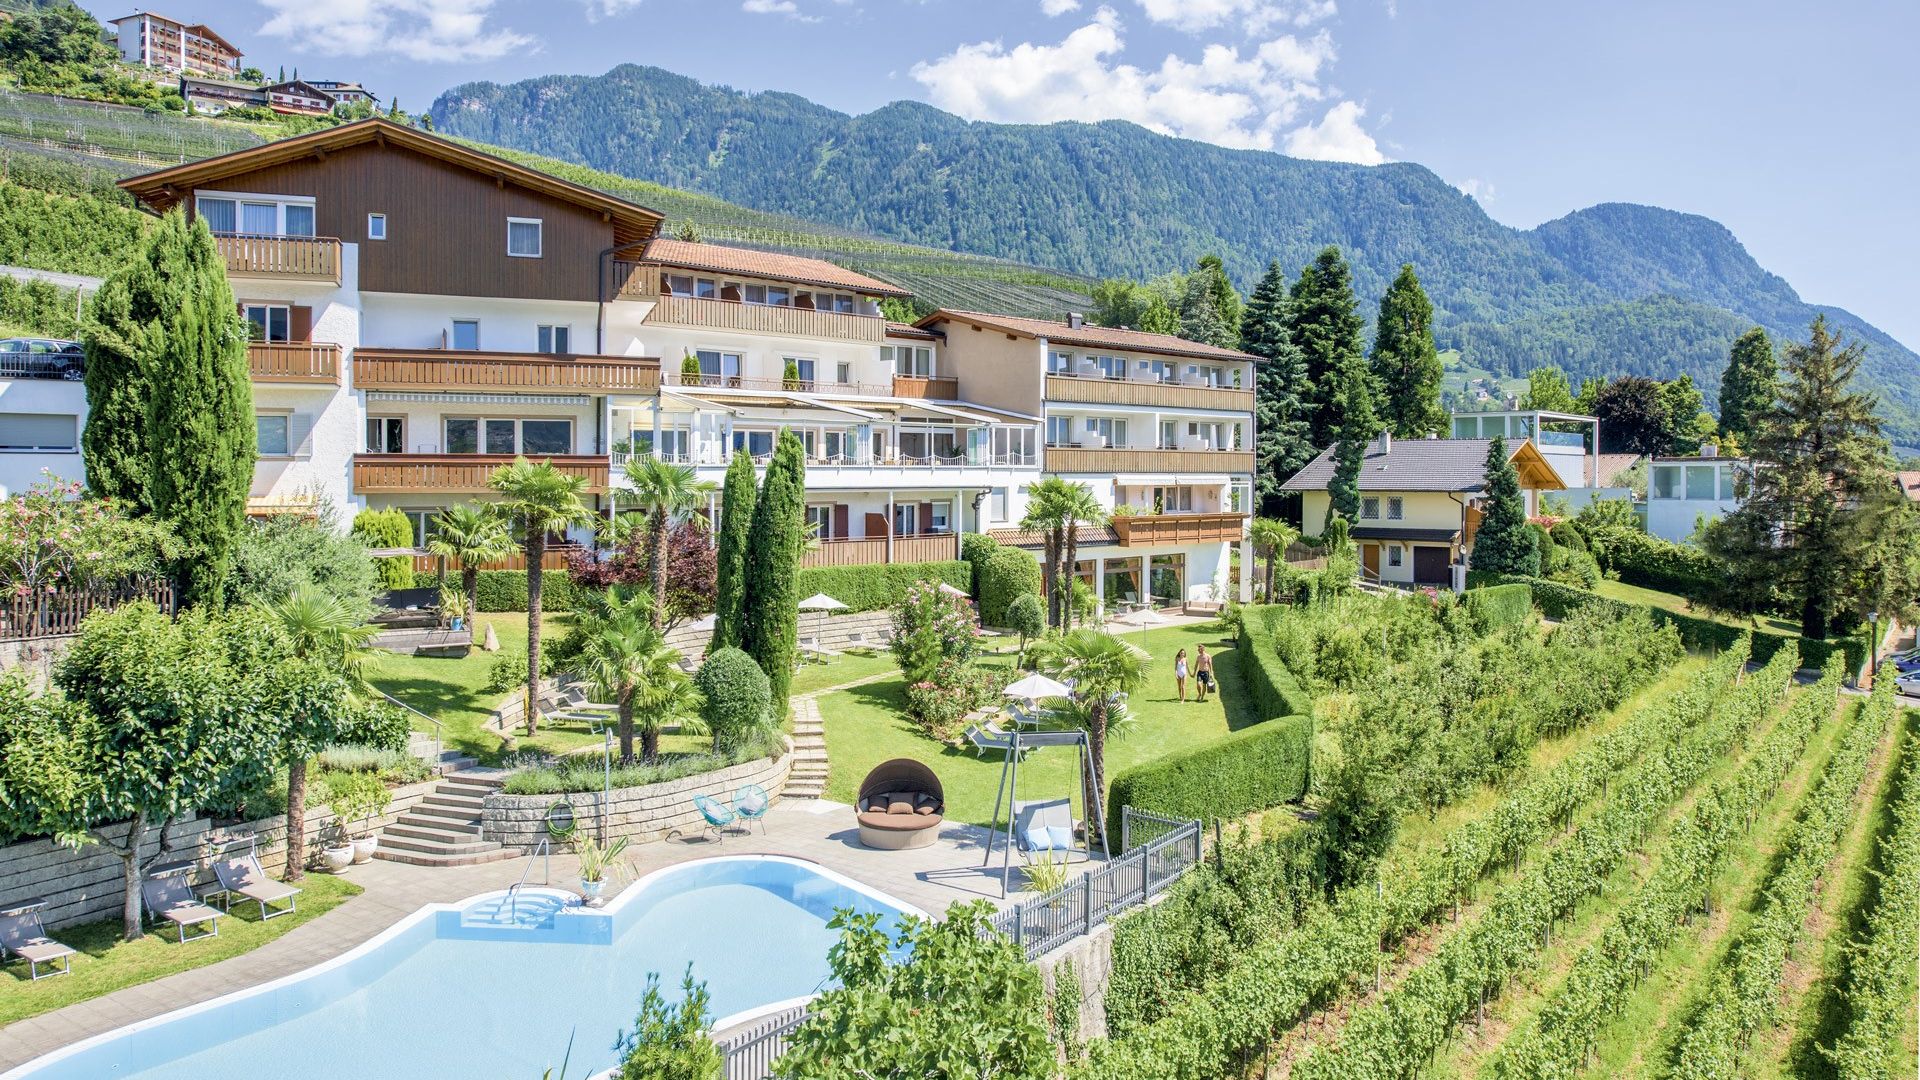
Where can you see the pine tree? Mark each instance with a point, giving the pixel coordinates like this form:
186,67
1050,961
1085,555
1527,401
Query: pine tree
1357,427
201,423
1200,318
1405,363
1748,387
1281,445
1324,326
770,624
123,332
1504,544
1814,518
1226,299
736,525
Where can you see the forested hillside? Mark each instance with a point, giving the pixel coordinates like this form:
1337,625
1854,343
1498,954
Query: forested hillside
1669,291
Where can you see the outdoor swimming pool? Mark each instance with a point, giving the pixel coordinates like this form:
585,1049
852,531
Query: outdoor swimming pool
488,989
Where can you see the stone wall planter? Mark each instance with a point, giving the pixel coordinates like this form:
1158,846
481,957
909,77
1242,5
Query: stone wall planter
641,813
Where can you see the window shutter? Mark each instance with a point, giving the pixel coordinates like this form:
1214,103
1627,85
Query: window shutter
926,517
840,530
300,435
300,324
878,526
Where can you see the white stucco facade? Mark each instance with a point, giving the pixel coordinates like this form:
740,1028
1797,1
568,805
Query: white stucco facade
40,425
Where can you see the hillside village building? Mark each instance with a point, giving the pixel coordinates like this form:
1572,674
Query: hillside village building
184,48
422,313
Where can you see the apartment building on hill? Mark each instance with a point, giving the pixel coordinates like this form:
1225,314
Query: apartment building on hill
156,41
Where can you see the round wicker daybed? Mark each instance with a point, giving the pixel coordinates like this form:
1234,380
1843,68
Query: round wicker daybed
900,805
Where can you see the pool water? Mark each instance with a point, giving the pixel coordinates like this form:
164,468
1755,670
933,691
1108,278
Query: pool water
473,992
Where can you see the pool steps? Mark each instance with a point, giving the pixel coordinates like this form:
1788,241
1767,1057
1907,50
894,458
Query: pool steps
443,829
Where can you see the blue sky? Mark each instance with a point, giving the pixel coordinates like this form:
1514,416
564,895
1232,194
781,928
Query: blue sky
1793,124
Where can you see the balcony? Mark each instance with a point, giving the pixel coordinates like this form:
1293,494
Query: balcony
444,369
306,258
706,314
1125,459
298,362
940,547
1146,530
1097,391
458,474
792,386
933,387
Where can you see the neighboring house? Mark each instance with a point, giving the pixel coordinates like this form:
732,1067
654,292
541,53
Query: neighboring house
344,93
1909,484
43,408
186,48
1684,491
211,97
1570,442
1420,502
1160,428
298,98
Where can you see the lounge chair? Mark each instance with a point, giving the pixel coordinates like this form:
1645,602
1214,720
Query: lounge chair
1043,826
857,642
751,803
900,806
22,935
242,876
168,893
717,816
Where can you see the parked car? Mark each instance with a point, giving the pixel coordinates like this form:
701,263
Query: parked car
1908,683
41,358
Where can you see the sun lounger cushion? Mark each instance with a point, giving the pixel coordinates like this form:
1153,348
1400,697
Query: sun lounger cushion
899,805
925,804
898,822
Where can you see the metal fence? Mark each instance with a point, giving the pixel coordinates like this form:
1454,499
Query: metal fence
751,1052
1088,901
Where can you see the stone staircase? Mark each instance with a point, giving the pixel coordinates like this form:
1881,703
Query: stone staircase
808,780
444,828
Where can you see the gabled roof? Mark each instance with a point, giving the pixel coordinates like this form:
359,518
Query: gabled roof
200,29
1608,466
632,223
1454,465
1094,337
721,259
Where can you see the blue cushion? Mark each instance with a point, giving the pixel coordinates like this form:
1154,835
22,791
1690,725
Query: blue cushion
1062,837
1037,839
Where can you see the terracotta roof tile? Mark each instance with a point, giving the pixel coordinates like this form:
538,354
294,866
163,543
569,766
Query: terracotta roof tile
1089,336
721,259
1910,484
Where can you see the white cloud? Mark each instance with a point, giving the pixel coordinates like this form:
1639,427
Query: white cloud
1255,16
422,30
607,9
1237,97
1050,8
1477,189
777,7
1337,137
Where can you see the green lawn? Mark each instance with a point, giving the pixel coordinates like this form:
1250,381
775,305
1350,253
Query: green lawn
842,669
1634,594
106,963
867,725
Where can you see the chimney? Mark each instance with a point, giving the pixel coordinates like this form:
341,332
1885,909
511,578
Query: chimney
1075,320
1385,442
1709,450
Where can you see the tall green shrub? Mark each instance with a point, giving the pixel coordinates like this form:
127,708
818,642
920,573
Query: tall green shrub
1251,769
388,529
770,625
730,561
736,697
1504,544
201,422
121,338
1007,574
872,588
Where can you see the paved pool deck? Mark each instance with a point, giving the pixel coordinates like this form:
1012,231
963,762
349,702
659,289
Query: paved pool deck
930,878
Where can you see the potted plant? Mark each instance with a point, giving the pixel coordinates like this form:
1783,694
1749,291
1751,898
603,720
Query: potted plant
453,605
598,862
355,798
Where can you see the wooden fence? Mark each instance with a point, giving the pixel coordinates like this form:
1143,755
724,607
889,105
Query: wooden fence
58,614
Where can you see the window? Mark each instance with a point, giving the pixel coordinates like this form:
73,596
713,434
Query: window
1729,477
1012,446
1370,507
376,226
755,443
678,284
268,322
386,435
546,436
556,339
504,435
803,365
998,504
906,519
838,446
1396,507
270,434
39,431
1110,367
423,525
297,219
1394,554
719,368
1666,482
843,304
914,360
820,521
1059,363
266,215
219,214
779,296
1169,434
705,289
1059,430
1702,481
754,294
466,335
1159,370
843,373
523,237
937,517
1107,431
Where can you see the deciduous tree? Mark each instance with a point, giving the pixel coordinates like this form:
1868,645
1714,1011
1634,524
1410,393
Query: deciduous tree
1548,391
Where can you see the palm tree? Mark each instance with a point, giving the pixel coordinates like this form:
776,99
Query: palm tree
319,626
1045,515
538,497
471,536
1271,537
1077,504
1102,667
670,494
629,661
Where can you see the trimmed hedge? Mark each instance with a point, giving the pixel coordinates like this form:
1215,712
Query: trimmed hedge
736,697
875,588
1650,562
1270,685
1006,574
1251,769
506,590
1498,606
1557,601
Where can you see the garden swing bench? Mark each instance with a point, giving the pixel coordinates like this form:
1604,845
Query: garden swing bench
1041,825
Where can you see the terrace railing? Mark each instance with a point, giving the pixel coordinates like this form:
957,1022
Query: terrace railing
1080,906
751,1052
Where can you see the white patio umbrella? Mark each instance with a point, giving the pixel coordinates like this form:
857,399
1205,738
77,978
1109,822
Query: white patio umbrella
1034,687
821,603
951,591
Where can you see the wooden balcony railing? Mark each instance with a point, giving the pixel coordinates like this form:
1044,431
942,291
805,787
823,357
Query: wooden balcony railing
1075,459
459,473
940,547
313,257
1092,391
671,377
293,362
934,387
633,280
766,319
1142,530
443,369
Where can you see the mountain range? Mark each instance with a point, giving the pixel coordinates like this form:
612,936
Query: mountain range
1610,290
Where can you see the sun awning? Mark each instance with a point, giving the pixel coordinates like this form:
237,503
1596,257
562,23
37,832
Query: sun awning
1409,536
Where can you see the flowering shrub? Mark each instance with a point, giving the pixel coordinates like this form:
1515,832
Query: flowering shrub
934,640
51,537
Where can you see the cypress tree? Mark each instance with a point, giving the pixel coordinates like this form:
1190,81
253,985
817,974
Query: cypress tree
1749,386
771,616
730,561
1504,544
201,420
1357,427
123,332
1405,363
1281,446
1323,324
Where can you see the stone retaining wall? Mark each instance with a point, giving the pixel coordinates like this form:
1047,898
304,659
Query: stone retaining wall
35,656
86,885
641,813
